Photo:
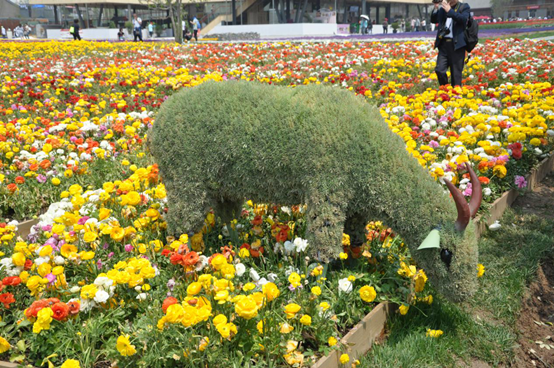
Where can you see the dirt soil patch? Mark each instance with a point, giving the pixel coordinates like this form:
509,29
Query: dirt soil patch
536,321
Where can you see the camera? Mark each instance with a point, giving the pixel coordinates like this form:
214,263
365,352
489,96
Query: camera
443,32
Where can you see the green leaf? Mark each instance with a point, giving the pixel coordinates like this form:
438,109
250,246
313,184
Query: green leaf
432,240
20,345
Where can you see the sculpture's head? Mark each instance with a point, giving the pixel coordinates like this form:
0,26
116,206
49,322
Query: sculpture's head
451,250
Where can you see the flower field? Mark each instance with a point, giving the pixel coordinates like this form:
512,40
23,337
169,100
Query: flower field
99,283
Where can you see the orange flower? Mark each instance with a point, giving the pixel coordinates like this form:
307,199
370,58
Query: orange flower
35,308
190,259
61,311
74,307
20,180
45,164
7,299
12,187
169,301
484,180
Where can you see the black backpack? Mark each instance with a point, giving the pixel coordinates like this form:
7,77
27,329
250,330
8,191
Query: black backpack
471,34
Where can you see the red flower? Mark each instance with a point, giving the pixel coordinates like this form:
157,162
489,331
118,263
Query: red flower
166,252
257,220
168,302
282,236
20,180
61,311
7,299
11,281
176,258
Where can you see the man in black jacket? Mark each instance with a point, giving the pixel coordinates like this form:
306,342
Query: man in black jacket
451,17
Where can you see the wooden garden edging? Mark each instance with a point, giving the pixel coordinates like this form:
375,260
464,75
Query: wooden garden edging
24,228
535,176
8,365
360,338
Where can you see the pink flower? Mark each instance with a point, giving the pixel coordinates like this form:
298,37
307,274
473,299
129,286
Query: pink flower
520,182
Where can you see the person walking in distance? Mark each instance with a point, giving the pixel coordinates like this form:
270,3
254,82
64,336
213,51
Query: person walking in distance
451,17
386,26
151,29
137,28
74,30
195,27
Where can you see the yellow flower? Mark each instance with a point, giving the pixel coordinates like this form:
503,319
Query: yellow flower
291,310
420,280
4,345
88,291
124,346
90,237
433,333
247,307
56,182
500,171
194,288
71,363
316,290
367,293
271,291
343,255
226,330
219,319
285,328
204,343
480,270
344,358
535,142
403,309
18,259
324,306
345,240
218,261
332,341
294,279
306,320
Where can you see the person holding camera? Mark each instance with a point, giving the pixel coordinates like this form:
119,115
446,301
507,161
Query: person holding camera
451,17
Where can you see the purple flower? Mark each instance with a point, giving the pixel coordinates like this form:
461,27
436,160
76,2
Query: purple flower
110,255
41,178
105,246
99,264
51,278
520,182
83,220
434,144
128,248
171,284
47,228
467,192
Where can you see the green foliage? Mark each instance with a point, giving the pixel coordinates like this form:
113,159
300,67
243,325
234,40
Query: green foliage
484,329
227,142
112,24
129,27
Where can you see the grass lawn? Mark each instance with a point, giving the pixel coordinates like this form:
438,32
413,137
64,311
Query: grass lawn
482,330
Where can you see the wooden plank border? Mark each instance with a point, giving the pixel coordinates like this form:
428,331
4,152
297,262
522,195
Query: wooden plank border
24,228
498,207
361,337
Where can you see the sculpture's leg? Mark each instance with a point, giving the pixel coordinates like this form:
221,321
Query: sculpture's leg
355,227
228,210
325,220
188,205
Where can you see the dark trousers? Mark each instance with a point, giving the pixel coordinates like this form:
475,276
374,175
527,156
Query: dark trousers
450,58
196,34
76,36
138,34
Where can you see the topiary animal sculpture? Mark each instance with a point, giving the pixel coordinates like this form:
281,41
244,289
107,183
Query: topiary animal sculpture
220,143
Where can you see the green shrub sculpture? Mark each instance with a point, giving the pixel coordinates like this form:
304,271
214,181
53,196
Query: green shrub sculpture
221,143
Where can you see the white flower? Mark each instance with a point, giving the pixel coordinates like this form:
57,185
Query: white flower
262,281
254,275
138,288
202,263
240,269
272,277
286,210
289,247
225,230
75,289
300,244
487,192
495,226
101,296
345,285
141,296
86,305
59,260
103,282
